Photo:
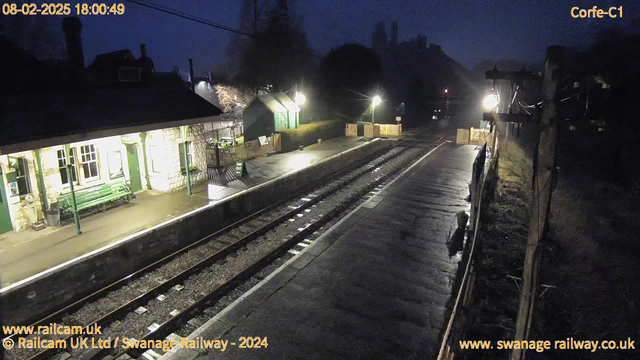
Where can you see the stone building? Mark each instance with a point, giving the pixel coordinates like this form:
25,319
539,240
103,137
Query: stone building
113,128
133,136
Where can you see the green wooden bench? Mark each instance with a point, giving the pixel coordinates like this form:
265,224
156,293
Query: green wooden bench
96,195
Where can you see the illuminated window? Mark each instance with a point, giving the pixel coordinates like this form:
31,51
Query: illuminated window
62,166
22,176
189,152
89,159
114,160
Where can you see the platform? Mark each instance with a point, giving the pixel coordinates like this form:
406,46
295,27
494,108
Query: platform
29,252
375,285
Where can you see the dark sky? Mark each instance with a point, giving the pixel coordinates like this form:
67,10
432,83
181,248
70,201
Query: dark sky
468,31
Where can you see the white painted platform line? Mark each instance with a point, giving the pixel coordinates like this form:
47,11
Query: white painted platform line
294,252
303,244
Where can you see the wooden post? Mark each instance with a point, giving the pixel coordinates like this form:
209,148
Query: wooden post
542,183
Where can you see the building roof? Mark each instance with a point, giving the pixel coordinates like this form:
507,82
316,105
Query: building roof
113,59
277,102
37,120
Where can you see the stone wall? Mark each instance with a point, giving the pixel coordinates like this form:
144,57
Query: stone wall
164,163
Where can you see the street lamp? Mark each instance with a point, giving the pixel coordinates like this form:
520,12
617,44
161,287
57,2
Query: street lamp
374,102
490,101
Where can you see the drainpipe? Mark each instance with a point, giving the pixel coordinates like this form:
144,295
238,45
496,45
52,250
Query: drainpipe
186,158
76,216
143,139
43,191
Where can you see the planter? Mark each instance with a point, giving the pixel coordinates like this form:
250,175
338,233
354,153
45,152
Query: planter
53,217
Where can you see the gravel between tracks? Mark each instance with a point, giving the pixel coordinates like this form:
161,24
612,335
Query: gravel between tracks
135,325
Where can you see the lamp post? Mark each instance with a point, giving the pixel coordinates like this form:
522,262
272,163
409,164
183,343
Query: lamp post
446,95
300,100
374,102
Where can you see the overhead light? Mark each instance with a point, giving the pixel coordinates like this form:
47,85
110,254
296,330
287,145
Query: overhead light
490,101
376,101
300,98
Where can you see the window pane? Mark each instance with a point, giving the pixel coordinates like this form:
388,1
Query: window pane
63,176
85,170
22,176
62,168
93,166
23,188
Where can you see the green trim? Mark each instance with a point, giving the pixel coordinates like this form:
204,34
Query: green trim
143,139
43,190
74,204
186,158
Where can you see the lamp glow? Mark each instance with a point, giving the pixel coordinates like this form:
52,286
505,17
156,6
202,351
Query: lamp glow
300,98
490,101
376,101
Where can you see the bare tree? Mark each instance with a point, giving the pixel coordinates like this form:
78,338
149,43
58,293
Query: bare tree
39,35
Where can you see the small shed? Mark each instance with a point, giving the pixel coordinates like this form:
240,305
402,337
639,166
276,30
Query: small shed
269,113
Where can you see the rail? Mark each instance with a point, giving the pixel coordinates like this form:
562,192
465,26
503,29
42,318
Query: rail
125,308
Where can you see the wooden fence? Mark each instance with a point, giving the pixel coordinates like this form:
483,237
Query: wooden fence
484,170
474,136
248,150
350,130
390,129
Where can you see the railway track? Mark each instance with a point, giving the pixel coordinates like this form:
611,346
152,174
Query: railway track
205,272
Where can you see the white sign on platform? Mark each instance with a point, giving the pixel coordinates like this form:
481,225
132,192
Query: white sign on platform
398,118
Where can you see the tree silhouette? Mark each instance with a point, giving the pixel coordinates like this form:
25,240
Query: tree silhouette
351,73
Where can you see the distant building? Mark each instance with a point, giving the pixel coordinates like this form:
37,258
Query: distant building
119,67
117,133
269,113
417,73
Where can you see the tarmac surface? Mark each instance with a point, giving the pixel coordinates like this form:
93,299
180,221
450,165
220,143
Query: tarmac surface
26,253
375,285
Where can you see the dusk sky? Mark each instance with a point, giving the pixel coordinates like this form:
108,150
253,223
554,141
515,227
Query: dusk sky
468,31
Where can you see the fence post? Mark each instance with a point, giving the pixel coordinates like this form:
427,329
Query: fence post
543,169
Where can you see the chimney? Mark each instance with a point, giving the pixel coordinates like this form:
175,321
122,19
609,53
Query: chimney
72,26
143,51
394,32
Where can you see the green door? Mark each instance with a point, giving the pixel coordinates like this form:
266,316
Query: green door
134,167
5,218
